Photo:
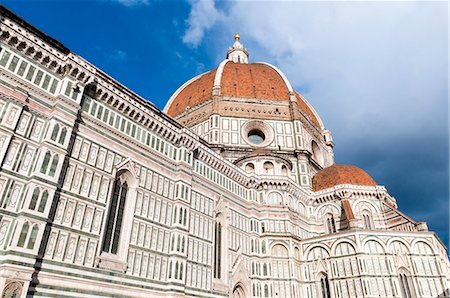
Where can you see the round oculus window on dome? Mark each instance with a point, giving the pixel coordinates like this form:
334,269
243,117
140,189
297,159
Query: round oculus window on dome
257,133
256,136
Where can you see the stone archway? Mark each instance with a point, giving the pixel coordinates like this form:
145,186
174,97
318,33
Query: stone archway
238,292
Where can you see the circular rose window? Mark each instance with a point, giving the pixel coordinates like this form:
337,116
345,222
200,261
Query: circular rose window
257,133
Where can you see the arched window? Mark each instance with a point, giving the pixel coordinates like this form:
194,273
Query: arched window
115,215
265,273
183,242
275,198
373,247
33,236
54,165
172,245
330,223
23,235
43,201
279,250
170,269
12,290
398,247
238,292
181,271
174,214
284,170
324,286
55,132
367,220
62,137
268,168
406,285
344,249
45,162
423,249
34,198
178,243
217,248
317,252
266,291
250,168
185,217
301,209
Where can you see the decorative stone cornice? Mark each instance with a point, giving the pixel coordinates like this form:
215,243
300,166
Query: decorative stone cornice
346,191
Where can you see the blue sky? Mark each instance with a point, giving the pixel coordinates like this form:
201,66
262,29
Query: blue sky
376,72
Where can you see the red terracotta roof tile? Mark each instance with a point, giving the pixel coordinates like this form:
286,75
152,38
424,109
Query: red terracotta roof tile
341,174
193,94
259,81
253,81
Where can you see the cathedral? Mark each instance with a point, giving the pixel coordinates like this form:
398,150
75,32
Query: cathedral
230,191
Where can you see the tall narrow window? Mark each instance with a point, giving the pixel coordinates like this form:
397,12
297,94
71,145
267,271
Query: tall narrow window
325,287
217,249
406,286
53,166
62,137
331,225
176,270
23,235
55,132
181,271
33,236
367,221
43,201
180,216
45,162
34,199
115,216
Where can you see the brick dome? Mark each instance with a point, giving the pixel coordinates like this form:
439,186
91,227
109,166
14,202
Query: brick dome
238,80
341,174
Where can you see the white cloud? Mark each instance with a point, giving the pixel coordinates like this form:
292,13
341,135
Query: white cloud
203,16
376,72
118,55
367,67
130,3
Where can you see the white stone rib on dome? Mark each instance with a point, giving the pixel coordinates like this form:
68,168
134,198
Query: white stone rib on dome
218,77
313,110
175,94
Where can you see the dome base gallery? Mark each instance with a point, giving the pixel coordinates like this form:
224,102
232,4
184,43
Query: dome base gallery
231,191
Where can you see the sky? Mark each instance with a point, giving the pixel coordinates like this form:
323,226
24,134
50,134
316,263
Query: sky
376,72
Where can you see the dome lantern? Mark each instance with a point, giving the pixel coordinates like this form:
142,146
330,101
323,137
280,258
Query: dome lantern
237,53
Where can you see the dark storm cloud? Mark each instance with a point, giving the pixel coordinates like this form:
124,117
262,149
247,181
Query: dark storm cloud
414,171
377,74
